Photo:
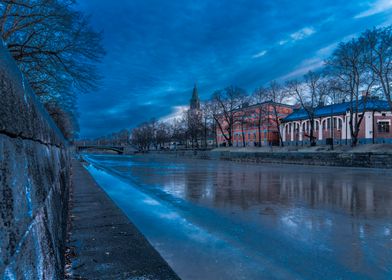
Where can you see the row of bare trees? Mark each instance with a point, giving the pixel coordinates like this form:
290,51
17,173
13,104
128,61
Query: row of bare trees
356,72
360,70
191,130
218,115
153,134
233,107
119,138
57,51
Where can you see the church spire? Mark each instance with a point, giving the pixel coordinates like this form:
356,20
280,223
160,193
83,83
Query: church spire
195,101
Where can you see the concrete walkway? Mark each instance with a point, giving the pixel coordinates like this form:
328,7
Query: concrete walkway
103,243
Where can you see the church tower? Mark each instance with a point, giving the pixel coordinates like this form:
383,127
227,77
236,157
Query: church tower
195,101
195,123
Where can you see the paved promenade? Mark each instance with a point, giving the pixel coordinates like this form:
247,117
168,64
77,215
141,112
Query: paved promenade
103,243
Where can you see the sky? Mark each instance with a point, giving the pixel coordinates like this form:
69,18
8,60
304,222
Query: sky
157,50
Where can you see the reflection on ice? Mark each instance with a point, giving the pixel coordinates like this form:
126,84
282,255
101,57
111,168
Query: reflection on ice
151,201
173,236
219,220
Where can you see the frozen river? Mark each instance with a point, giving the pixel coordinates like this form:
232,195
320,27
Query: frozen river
222,220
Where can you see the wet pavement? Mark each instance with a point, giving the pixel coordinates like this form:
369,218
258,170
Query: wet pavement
103,244
223,220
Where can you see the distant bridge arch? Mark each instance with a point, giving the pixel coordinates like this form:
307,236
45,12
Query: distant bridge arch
118,149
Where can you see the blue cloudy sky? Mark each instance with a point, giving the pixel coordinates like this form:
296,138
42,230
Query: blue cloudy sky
157,49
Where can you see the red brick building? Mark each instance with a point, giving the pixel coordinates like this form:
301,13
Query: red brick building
253,124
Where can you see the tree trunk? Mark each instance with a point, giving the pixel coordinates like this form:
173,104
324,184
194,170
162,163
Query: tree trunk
312,140
354,134
230,140
259,134
215,135
243,135
354,141
205,133
279,134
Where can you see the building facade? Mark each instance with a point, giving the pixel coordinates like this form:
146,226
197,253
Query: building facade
332,123
254,121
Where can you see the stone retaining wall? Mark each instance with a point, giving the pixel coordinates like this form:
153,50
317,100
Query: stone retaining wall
34,181
368,160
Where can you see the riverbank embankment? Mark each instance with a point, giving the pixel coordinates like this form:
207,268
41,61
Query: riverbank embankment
34,182
102,242
366,157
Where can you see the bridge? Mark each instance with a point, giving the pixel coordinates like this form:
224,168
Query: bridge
118,149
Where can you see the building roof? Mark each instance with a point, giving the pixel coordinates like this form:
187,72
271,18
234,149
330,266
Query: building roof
339,109
250,106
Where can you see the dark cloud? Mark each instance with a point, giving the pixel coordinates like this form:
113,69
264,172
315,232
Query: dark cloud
156,50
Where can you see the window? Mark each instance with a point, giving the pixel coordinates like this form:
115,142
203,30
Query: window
328,122
383,126
340,124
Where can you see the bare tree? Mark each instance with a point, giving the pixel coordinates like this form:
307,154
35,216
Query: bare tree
195,126
310,94
121,138
243,116
143,136
209,127
226,102
54,46
348,66
178,130
162,134
210,111
62,120
277,95
260,97
378,57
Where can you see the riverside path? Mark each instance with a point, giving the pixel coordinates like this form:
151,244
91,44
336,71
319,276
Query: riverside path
102,242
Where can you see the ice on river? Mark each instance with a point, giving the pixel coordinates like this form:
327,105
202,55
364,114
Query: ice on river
219,220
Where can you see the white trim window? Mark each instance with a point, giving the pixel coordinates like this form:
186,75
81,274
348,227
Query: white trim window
383,126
